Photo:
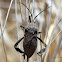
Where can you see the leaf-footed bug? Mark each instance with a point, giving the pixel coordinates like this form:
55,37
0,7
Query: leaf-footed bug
30,38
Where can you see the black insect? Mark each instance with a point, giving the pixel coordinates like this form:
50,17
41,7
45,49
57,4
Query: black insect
30,38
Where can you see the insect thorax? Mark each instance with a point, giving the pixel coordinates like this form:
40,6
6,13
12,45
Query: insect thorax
32,27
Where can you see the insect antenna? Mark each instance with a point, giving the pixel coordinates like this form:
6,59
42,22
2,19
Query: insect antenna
40,13
30,13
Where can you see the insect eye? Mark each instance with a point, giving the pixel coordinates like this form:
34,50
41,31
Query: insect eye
26,30
35,32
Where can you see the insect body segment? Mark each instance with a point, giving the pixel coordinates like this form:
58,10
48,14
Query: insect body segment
30,39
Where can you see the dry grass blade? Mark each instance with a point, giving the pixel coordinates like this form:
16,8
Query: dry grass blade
7,14
56,50
49,20
17,27
3,42
50,40
26,12
33,9
21,11
57,35
43,1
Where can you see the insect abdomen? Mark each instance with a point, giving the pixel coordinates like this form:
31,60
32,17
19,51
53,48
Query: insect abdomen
30,46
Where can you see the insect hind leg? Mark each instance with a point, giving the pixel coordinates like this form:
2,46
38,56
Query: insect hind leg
41,51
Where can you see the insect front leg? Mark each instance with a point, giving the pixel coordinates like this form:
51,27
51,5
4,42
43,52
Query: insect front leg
15,46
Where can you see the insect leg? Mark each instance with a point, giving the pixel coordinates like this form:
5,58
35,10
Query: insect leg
30,19
15,46
39,32
27,59
42,41
41,51
24,55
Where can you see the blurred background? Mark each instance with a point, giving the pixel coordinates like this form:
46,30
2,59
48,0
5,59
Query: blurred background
13,14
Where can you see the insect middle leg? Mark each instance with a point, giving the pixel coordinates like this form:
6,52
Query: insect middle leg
39,39
42,41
